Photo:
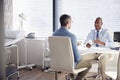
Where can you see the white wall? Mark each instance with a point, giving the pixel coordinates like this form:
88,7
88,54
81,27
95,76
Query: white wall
84,13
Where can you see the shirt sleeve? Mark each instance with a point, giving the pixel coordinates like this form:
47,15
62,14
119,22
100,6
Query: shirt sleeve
109,41
89,38
76,53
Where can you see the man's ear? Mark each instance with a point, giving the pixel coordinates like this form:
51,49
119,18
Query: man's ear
67,22
102,23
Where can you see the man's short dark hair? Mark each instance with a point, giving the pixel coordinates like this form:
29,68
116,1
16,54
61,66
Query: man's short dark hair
99,18
64,19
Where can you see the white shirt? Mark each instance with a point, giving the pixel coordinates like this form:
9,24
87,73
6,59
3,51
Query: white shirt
104,36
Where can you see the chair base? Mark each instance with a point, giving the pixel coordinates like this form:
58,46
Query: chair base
45,69
96,77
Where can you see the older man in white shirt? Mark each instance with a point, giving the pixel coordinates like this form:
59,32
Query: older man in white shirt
99,37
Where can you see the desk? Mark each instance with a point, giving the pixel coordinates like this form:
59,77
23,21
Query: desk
107,51
110,65
12,55
35,49
21,44
9,41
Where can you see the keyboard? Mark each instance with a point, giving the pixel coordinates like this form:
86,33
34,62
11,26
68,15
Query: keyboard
115,48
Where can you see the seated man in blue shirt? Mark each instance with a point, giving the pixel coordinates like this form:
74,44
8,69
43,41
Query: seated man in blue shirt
99,37
65,21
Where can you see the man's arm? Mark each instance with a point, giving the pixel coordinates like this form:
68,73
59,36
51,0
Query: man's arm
87,42
109,42
75,48
97,41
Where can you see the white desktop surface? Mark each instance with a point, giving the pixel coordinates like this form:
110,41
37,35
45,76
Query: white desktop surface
10,41
84,50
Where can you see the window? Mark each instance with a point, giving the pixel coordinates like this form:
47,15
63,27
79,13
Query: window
33,16
38,15
84,13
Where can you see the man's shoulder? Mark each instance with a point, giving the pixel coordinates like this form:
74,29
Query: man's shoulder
64,33
71,34
104,30
92,30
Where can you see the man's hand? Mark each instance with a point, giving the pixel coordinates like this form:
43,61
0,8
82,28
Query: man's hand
88,45
78,44
97,41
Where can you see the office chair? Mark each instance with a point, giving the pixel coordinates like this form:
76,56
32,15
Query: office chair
12,61
116,75
61,54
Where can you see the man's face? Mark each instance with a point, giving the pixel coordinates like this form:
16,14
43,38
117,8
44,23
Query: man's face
98,24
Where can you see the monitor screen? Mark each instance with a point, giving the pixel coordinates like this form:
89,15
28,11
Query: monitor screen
116,36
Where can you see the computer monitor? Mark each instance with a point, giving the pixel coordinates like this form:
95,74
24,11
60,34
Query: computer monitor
116,36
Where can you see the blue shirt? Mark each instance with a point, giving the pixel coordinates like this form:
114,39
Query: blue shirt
104,36
64,32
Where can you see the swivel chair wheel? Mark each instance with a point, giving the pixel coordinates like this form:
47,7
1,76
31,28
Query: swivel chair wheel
59,72
18,77
43,70
30,69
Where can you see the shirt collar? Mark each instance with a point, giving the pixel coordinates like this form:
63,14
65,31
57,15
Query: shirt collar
64,28
99,30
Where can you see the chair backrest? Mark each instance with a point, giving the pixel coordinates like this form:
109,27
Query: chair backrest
61,54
